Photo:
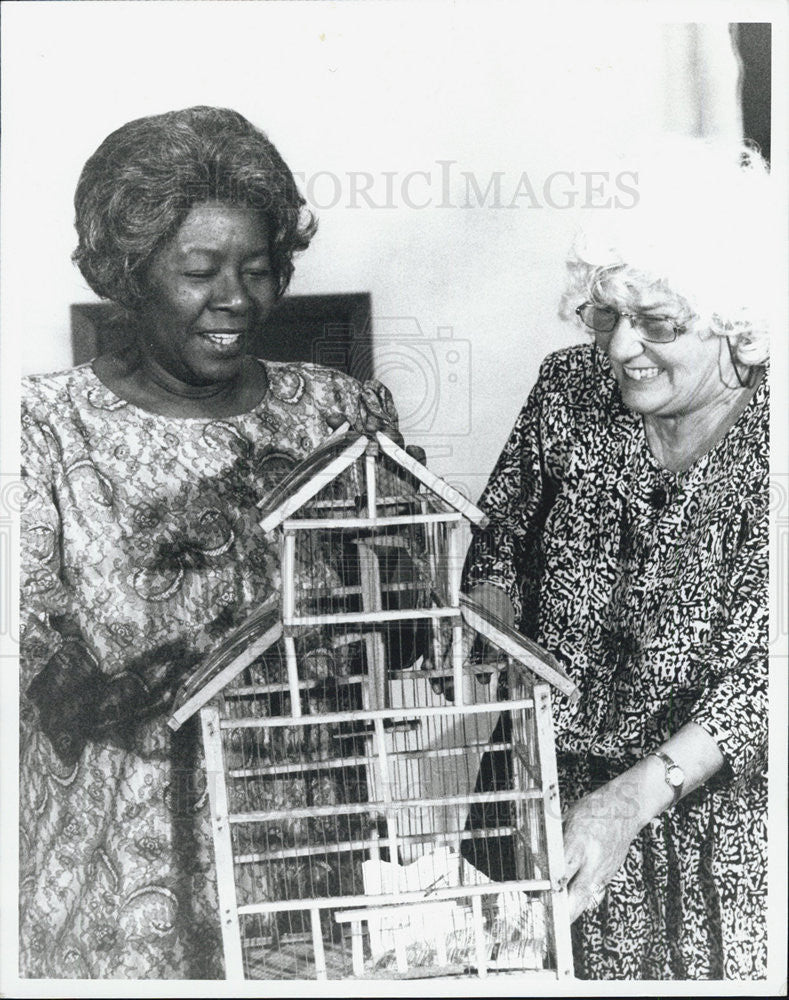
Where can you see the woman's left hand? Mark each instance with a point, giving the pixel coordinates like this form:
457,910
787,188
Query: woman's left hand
598,831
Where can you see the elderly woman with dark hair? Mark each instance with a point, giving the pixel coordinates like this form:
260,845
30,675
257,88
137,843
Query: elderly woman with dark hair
141,542
629,538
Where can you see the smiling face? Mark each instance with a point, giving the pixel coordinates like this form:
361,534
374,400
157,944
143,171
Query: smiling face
663,380
206,290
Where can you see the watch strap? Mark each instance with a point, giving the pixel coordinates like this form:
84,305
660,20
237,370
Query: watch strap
670,765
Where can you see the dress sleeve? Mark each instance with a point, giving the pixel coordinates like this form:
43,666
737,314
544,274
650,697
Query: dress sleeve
44,598
517,498
61,675
732,706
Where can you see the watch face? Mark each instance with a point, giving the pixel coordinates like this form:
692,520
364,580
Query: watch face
675,776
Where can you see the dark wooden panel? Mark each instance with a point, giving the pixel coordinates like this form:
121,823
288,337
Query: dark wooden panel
754,43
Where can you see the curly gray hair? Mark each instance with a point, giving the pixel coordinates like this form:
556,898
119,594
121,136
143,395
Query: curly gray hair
700,229
142,181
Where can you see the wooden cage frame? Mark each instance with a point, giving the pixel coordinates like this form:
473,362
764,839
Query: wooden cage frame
530,673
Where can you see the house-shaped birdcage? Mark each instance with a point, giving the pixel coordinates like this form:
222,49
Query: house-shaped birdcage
379,750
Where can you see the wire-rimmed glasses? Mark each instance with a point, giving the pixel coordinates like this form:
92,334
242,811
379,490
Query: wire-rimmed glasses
655,328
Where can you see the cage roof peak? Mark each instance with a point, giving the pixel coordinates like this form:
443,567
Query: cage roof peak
333,457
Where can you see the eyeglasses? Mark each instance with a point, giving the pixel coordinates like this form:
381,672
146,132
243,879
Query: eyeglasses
653,328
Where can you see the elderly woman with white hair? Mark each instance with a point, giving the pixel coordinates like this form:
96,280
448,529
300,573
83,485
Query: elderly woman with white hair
630,525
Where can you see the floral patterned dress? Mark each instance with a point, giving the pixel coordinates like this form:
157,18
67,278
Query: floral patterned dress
651,588
141,549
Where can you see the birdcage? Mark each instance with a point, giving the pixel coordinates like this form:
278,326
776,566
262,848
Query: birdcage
379,750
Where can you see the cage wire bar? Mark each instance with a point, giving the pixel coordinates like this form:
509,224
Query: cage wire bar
384,802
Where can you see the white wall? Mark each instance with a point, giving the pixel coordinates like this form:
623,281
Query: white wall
366,88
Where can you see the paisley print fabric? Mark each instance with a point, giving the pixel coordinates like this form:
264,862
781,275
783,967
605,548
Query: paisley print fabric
651,588
141,549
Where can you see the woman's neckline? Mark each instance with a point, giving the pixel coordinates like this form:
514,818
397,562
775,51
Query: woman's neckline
119,401
699,458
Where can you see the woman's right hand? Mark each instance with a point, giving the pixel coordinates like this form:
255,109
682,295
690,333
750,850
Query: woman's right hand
495,601
476,649
377,411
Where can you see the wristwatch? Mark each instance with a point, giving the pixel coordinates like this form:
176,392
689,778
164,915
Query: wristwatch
674,775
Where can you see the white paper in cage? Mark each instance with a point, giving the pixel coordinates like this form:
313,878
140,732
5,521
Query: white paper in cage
408,924
516,935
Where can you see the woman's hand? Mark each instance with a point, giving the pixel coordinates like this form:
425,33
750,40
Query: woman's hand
377,411
480,657
599,828
598,831
495,601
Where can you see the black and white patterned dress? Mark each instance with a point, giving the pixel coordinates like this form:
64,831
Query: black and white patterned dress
651,588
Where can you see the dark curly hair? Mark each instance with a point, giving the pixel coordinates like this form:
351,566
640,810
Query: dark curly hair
140,184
